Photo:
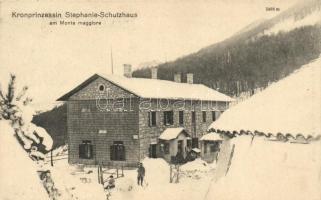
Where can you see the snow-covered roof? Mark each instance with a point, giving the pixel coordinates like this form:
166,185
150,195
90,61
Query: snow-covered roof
171,133
262,168
157,89
289,106
197,150
211,137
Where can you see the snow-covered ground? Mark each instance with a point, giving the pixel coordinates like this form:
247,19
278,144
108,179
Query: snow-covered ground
74,184
193,182
261,170
18,173
19,155
271,170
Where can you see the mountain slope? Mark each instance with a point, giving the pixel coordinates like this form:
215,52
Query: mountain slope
252,58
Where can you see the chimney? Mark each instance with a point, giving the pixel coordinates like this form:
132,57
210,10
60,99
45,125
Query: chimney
177,77
154,72
127,70
189,78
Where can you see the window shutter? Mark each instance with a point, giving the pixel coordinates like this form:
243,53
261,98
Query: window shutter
86,151
181,117
112,152
164,118
81,151
204,116
193,117
149,151
91,151
122,155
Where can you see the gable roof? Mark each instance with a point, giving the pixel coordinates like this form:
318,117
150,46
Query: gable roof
172,133
66,96
156,89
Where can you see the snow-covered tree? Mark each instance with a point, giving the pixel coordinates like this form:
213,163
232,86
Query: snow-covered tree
14,106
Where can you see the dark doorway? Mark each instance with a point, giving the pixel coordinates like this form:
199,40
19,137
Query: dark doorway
180,146
194,142
153,151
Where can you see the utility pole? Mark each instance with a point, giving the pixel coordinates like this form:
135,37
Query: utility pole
111,60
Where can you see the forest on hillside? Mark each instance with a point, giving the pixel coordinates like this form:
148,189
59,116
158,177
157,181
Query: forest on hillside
55,123
245,65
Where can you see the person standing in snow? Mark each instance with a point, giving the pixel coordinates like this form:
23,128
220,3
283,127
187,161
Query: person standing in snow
140,174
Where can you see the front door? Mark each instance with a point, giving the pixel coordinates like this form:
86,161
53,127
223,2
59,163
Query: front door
153,151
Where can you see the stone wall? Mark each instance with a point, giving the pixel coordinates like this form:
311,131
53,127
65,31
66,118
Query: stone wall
149,134
92,91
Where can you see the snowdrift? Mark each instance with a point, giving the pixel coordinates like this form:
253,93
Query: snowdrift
19,178
271,170
157,186
71,186
289,106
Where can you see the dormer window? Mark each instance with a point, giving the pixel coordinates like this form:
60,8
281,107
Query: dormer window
101,88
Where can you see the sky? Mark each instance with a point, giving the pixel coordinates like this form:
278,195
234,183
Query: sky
51,60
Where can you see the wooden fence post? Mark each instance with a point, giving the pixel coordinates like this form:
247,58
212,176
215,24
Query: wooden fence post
117,171
122,170
101,175
177,177
98,173
170,174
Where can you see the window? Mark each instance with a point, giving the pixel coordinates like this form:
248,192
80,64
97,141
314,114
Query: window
152,118
213,116
101,88
193,117
83,110
205,147
204,116
189,143
86,150
211,146
168,118
117,151
166,148
215,147
181,117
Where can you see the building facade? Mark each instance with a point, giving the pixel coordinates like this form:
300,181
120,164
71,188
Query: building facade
118,121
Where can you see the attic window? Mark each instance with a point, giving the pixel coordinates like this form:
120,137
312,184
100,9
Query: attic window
101,88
